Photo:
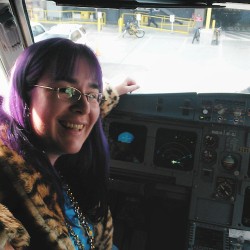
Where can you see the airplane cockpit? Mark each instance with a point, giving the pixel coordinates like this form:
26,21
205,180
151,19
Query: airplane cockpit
180,144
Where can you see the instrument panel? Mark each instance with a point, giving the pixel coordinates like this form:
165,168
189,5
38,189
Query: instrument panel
193,147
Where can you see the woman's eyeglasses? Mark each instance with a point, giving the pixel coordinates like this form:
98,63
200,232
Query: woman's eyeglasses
73,94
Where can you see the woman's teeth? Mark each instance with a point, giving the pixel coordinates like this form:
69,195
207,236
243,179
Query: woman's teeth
74,126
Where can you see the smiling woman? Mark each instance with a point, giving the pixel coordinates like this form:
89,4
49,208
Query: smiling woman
54,155
58,128
179,163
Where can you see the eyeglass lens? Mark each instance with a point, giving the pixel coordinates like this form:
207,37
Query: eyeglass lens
75,95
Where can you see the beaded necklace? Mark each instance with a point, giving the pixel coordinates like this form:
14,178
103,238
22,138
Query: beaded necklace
82,220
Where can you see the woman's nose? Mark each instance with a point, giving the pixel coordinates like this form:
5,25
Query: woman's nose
81,106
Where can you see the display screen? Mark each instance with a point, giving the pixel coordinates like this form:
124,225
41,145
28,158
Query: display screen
127,142
175,149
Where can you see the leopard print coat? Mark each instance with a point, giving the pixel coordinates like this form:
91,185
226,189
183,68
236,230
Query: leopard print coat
30,217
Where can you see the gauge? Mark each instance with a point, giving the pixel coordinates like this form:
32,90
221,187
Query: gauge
229,162
209,156
224,188
211,140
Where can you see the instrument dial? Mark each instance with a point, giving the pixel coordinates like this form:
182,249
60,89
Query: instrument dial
224,188
229,162
211,140
209,156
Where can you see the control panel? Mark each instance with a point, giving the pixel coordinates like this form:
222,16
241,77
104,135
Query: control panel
193,148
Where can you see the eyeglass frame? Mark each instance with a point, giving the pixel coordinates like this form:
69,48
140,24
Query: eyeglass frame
99,100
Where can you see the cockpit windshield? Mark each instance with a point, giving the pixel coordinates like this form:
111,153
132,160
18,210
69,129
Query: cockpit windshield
166,50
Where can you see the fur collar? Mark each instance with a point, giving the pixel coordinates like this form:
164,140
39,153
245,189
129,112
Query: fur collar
32,190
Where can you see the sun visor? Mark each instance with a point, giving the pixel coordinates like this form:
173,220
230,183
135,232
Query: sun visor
123,4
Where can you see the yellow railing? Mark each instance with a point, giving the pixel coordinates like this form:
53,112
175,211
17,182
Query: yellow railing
180,25
67,16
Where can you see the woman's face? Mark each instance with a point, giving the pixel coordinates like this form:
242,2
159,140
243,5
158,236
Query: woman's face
63,125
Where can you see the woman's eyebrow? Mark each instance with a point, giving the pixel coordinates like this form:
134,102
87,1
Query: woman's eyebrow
93,85
66,79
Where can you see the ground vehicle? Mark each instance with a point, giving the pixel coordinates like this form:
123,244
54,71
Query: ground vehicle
38,31
189,188
74,32
133,29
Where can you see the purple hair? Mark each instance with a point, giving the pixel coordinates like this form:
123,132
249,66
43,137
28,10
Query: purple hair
58,56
